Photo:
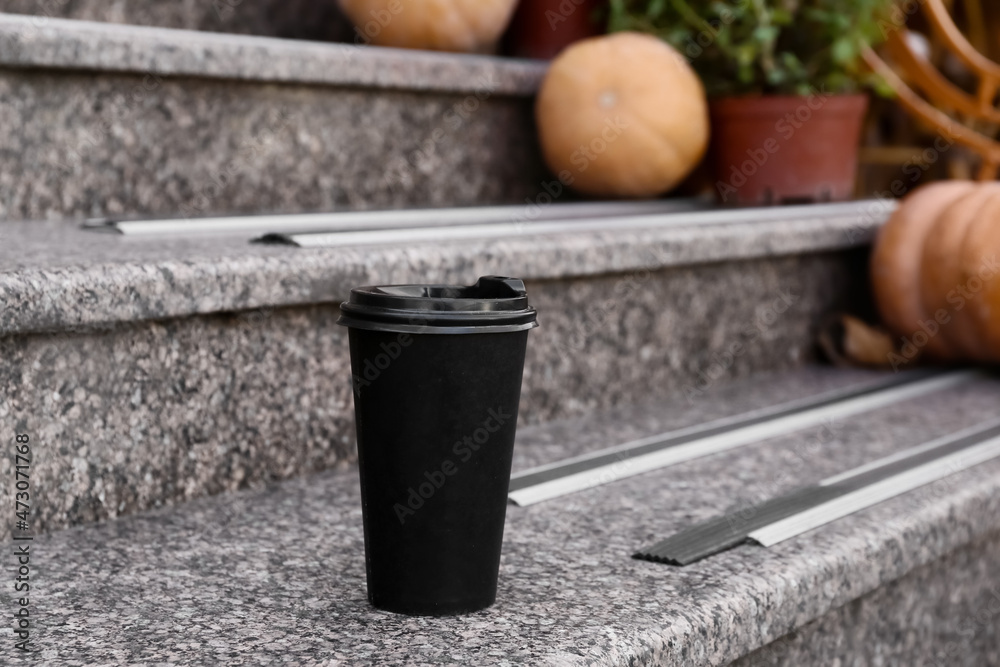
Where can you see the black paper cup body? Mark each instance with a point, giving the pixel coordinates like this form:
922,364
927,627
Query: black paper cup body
437,378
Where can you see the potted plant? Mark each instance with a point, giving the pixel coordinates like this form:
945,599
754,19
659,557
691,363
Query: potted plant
786,84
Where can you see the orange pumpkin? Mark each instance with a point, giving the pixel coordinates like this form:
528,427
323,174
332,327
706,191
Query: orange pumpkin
936,272
471,26
622,116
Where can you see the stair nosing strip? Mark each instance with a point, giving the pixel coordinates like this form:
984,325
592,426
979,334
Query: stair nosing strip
706,539
390,219
595,469
693,219
876,493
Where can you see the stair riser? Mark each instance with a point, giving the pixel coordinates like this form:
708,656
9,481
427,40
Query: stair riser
138,415
946,609
90,145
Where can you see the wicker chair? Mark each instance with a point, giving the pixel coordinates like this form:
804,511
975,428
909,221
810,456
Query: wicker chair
962,118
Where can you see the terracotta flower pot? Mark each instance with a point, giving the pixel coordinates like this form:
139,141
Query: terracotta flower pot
543,28
775,149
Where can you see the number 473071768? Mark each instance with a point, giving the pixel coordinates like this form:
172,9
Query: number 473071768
22,466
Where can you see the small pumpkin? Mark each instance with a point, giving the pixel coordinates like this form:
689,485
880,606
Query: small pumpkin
622,115
470,26
936,272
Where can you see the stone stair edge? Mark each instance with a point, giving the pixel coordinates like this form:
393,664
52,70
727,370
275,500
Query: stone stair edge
44,42
237,276
822,571
885,549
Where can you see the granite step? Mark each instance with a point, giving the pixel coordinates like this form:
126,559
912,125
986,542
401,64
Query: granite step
103,120
913,580
156,370
290,19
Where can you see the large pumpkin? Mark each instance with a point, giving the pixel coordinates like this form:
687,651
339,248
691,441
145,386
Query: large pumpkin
471,26
936,272
622,116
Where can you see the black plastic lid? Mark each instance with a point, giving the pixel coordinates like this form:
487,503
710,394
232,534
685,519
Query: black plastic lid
493,305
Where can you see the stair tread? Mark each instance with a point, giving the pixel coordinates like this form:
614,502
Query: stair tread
55,276
31,41
280,573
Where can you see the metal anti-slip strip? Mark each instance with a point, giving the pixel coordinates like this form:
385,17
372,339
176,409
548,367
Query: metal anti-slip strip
640,456
586,221
352,221
804,509
876,493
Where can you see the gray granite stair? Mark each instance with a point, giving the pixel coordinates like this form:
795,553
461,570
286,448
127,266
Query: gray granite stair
152,371
194,489
278,575
100,119
292,19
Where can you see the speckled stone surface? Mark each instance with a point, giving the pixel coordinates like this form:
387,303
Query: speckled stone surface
279,575
81,145
297,19
103,119
619,339
153,413
940,615
52,43
53,276
159,411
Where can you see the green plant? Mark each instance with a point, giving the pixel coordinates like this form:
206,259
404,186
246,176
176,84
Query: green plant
754,47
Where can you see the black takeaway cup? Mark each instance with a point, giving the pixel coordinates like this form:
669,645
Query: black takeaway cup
437,378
